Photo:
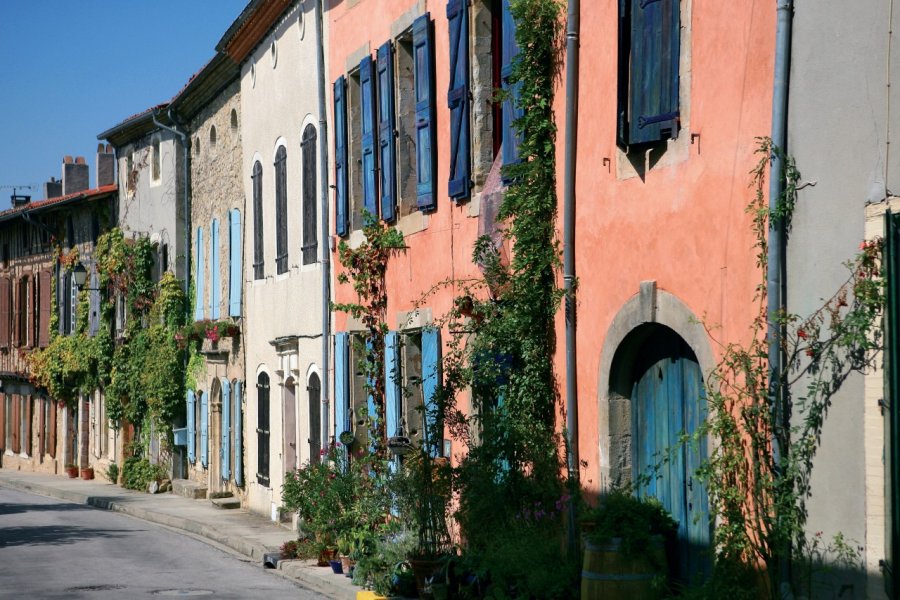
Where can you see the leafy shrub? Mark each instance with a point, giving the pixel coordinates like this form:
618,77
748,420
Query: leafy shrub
112,473
137,473
634,520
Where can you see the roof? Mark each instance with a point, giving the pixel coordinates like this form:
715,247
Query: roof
204,85
39,205
136,126
251,26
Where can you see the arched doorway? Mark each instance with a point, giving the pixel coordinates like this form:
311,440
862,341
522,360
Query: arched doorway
315,418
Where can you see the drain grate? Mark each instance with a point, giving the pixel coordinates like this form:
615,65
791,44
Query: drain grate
96,588
181,593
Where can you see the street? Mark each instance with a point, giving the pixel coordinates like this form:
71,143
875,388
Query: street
54,549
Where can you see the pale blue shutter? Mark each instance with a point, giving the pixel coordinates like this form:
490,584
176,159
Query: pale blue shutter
431,378
214,292
238,433
392,391
341,383
458,99
386,124
225,446
341,205
191,426
204,429
426,157
510,109
235,285
199,277
367,129
370,404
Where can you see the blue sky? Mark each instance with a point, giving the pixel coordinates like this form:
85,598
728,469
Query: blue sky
71,69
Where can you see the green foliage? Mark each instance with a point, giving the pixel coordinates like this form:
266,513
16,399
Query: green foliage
138,473
634,520
112,473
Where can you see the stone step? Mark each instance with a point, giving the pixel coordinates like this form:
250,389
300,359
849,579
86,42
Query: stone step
229,502
189,489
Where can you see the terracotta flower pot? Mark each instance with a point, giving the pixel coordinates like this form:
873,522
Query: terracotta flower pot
87,473
72,471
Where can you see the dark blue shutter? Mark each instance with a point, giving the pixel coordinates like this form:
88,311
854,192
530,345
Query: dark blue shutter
653,84
367,119
384,66
340,157
191,426
225,446
341,383
511,111
458,100
214,298
204,430
238,433
426,157
431,379
200,278
235,285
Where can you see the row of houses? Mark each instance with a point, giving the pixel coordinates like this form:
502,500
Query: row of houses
312,113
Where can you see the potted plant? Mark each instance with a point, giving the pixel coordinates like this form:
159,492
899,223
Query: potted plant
87,473
71,471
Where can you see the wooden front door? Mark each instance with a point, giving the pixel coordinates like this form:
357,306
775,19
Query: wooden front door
667,403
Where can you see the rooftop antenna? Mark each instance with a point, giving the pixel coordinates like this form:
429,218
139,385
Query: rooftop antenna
19,199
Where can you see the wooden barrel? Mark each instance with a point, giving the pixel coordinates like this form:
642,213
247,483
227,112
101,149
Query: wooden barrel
608,574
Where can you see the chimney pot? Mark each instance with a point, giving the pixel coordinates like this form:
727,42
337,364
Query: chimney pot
106,166
67,160
74,175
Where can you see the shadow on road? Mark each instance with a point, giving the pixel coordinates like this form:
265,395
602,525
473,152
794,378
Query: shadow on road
54,535
11,509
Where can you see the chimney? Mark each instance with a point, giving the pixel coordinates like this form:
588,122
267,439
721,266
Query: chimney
106,165
74,175
53,188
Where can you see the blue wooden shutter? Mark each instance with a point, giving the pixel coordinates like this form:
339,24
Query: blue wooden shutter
386,124
367,118
341,383
511,110
235,285
653,111
238,433
204,429
458,100
214,293
191,426
225,446
199,278
431,378
392,391
426,157
340,157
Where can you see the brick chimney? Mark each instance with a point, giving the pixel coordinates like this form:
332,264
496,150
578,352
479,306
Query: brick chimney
52,188
74,175
106,165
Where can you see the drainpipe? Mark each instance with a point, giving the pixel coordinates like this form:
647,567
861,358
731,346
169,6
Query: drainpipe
775,260
324,234
571,145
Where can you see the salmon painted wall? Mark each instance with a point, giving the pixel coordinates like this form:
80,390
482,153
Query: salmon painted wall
682,223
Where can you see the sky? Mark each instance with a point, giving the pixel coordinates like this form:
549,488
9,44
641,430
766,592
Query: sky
71,69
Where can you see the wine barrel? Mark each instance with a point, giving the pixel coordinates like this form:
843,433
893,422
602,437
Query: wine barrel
608,574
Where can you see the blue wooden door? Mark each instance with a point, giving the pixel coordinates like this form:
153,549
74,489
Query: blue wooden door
668,402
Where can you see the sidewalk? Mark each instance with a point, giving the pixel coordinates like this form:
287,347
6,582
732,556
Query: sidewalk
249,535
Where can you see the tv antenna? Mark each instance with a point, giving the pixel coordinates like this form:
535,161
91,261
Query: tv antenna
18,199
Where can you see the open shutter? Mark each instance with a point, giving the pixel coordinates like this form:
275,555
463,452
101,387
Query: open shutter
73,304
54,415
200,277
5,312
386,125
258,250
392,391
225,446
511,111
204,429
30,320
653,111
94,303
238,429
458,100
426,157
191,426
235,285
431,378
340,157
214,293
367,118
341,383
281,233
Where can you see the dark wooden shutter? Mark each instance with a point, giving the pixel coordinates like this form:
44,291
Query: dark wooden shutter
32,314
281,250
426,157
386,126
94,297
45,308
5,311
18,305
891,264
340,157
367,127
16,423
458,100
308,158
655,44
258,252
511,111
3,422
262,430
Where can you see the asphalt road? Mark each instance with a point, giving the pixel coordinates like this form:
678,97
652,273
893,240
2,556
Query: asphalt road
53,549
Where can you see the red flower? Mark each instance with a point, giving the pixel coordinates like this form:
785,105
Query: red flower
801,333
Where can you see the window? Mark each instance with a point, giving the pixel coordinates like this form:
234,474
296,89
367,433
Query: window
412,401
354,150
235,277
25,313
258,256
359,397
25,424
262,429
199,278
155,160
44,309
281,233
9,423
649,55
308,159
234,120
197,146
212,137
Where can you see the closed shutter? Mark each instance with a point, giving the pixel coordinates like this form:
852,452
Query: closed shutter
392,391
73,303
16,427
235,285
31,318
3,422
431,379
199,278
655,45
891,262
511,110
191,426
342,208
225,447
17,309
28,402
458,100
54,415
5,312
341,384
426,157
308,158
281,232
204,429
262,430
45,285
384,67
258,250
238,433
367,128
214,292
94,298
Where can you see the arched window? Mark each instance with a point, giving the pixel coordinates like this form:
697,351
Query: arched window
281,247
234,120
258,256
308,158
262,429
212,136
155,160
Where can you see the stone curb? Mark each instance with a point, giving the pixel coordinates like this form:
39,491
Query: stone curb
319,579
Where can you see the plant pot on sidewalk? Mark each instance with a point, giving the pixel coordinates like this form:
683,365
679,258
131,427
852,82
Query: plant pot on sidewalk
336,567
71,471
87,473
